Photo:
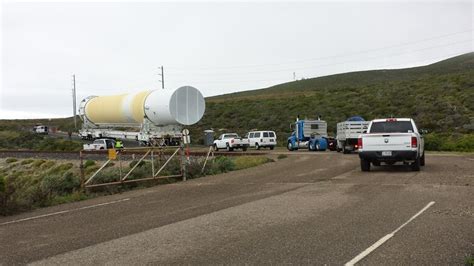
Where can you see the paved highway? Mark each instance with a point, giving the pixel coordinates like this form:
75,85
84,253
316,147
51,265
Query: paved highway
310,208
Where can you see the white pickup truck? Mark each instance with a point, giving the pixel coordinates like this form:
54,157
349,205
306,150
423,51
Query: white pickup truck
100,144
389,141
230,141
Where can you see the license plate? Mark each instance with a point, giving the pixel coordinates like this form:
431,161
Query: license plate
386,153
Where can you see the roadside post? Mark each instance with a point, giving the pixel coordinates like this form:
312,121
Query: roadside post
186,141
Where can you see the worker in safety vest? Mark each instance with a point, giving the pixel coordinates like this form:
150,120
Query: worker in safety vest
118,145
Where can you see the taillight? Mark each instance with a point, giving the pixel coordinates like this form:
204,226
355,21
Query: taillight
414,142
359,143
231,141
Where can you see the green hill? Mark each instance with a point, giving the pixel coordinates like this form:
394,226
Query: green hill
440,97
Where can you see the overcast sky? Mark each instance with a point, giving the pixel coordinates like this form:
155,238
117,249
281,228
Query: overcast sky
216,47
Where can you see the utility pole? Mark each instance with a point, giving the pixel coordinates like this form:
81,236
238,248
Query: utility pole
162,78
74,99
294,76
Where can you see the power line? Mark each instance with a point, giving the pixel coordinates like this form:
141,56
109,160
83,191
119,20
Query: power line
333,64
379,67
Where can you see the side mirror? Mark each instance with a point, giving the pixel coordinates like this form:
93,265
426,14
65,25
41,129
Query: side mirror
364,132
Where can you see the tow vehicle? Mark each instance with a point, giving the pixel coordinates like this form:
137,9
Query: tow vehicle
310,134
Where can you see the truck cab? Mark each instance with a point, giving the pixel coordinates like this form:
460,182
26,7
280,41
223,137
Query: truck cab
310,134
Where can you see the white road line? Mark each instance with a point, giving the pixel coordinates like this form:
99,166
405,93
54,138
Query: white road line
385,238
61,212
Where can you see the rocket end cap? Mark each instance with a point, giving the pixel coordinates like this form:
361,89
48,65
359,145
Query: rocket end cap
187,105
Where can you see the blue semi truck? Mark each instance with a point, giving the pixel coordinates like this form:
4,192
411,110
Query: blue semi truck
308,134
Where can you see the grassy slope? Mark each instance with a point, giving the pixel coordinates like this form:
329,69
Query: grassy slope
439,96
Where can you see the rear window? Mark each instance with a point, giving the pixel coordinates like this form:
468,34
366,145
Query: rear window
272,135
392,127
230,136
265,134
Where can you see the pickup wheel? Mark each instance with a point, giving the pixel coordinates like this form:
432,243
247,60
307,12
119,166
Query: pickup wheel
228,147
364,165
415,166
215,147
422,159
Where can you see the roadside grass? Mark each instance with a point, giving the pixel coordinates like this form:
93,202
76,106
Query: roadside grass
469,260
33,183
242,162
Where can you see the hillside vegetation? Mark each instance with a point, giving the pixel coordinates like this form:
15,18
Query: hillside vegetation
440,97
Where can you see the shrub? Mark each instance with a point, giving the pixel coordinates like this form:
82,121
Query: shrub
47,164
27,161
38,163
89,163
222,164
11,160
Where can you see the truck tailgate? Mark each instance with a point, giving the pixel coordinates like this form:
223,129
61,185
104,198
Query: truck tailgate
387,142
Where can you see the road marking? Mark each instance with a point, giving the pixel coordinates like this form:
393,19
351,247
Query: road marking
385,238
61,212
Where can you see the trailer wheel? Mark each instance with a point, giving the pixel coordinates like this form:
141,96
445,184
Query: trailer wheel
364,165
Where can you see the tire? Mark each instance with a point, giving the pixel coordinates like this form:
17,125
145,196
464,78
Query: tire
364,165
289,146
415,166
422,159
338,150
316,147
344,149
215,147
257,147
228,147
272,147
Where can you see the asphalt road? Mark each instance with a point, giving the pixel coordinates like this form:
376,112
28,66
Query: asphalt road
310,208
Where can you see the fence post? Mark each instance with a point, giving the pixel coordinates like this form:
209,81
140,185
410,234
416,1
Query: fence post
81,168
183,163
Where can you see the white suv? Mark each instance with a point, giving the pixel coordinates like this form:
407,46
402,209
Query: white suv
260,139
